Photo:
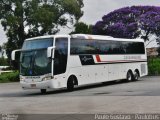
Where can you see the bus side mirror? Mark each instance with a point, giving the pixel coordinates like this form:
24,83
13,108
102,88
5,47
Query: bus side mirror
14,53
50,51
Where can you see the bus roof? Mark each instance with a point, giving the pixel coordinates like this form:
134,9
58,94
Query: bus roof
102,37
47,36
87,36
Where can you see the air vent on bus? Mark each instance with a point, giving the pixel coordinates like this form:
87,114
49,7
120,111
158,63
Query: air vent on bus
143,69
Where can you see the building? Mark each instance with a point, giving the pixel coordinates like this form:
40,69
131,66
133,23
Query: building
152,52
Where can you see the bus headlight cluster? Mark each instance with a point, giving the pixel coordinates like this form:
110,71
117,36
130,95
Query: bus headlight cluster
22,78
47,78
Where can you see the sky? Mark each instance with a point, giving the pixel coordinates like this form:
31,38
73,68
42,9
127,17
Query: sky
95,9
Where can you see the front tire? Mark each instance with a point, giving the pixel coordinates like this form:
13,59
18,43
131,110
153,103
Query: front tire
71,83
43,91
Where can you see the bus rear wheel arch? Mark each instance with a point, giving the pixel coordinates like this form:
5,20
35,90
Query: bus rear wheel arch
72,81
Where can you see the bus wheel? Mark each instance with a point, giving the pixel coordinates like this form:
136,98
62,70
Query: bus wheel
129,76
71,83
43,91
136,76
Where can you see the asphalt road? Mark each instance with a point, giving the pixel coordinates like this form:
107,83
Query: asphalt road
142,96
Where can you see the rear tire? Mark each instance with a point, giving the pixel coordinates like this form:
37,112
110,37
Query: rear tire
43,91
136,76
71,83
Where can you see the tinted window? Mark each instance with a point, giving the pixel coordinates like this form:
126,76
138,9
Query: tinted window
84,47
37,43
111,47
61,53
106,47
134,47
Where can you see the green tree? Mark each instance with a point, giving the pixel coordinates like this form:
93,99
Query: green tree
22,19
0,48
82,28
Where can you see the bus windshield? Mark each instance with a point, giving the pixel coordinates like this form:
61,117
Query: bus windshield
34,60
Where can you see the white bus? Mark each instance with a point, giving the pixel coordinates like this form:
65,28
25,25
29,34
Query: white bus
59,61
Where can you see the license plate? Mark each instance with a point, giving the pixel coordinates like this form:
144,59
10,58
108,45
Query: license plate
33,85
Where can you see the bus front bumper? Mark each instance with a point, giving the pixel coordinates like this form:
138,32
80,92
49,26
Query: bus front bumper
48,84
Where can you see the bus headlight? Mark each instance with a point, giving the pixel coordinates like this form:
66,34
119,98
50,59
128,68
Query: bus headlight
47,78
22,78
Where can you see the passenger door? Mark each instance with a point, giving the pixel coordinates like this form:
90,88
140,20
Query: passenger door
60,56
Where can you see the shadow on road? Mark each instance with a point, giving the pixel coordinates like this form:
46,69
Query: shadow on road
32,93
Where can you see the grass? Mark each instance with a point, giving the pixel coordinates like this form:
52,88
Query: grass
9,77
154,66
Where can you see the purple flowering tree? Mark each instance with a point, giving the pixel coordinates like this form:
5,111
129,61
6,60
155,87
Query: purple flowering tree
130,22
